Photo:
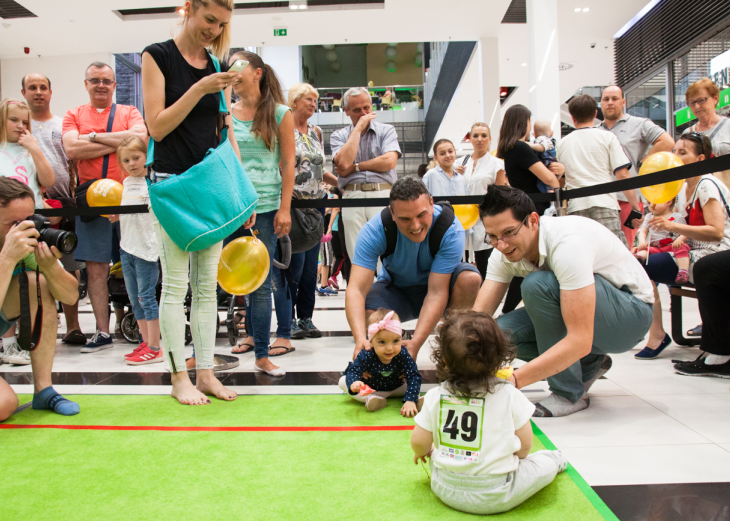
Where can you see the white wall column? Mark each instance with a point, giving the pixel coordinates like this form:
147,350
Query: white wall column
544,84
488,58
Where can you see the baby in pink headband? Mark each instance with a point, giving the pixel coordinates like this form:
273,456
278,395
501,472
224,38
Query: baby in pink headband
391,370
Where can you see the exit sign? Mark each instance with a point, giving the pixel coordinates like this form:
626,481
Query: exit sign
279,32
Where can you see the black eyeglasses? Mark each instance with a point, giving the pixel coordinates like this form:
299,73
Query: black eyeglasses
507,237
698,102
97,81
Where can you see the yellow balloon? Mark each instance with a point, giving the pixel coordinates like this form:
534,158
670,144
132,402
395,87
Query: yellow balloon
243,266
494,152
105,192
664,192
468,214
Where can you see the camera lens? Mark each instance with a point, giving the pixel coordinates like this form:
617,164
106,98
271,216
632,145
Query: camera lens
64,241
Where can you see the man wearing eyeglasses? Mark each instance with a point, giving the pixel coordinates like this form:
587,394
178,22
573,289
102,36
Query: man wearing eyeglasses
87,141
584,295
639,137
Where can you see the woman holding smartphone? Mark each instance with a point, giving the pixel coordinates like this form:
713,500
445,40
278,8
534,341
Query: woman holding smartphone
181,100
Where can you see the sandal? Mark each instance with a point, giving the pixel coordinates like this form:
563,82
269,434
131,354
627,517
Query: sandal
75,337
247,349
695,331
287,350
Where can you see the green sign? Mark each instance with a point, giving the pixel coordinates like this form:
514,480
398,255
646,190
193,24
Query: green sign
279,32
685,115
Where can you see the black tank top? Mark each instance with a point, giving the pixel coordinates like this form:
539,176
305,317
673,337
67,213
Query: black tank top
187,144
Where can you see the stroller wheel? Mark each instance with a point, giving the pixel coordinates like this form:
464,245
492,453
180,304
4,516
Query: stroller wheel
130,330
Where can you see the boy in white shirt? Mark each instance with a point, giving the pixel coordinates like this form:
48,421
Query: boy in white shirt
591,157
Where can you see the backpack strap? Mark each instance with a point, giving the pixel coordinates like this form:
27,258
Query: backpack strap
440,227
391,238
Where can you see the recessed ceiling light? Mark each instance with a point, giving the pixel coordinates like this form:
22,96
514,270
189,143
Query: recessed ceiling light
577,9
586,9
524,65
297,4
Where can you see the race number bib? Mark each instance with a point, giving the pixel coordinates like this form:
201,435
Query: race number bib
460,427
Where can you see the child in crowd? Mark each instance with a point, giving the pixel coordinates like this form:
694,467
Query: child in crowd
442,179
20,156
544,145
138,249
475,427
388,364
663,241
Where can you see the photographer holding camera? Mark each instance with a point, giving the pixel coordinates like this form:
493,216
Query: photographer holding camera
19,243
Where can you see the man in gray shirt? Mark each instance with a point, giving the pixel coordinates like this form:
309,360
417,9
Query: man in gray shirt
640,137
46,128
365,154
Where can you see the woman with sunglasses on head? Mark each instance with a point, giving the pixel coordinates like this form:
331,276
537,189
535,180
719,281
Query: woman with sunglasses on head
181,99
702,201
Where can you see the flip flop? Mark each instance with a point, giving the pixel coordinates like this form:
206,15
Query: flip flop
695,331
241,322
246,350
75,337
286,352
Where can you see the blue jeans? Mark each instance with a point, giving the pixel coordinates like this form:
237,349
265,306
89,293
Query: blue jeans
140,278
302,279
620,322
258,303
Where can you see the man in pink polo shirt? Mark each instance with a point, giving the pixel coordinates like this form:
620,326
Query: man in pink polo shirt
90,139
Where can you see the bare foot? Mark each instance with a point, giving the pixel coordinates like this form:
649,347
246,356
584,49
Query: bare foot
266,365
185,392
210,385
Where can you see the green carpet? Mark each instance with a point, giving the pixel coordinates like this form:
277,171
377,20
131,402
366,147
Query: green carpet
101,474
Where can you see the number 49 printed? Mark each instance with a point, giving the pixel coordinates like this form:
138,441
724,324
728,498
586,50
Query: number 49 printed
460,422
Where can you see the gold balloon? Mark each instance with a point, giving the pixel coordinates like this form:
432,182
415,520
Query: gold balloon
243,266
664,192
105,192
494,152
468,214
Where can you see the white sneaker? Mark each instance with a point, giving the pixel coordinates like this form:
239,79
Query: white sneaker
16,356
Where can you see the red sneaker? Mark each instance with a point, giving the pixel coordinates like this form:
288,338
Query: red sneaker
333,282
145,356
136,350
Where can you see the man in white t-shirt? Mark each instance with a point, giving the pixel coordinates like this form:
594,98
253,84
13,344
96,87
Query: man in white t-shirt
591,157
585,296
46,128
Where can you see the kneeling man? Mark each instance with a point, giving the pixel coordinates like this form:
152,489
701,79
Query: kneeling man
18,242
585,296
421,246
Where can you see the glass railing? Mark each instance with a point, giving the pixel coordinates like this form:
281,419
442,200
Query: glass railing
404,97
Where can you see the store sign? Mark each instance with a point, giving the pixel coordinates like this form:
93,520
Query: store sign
720,76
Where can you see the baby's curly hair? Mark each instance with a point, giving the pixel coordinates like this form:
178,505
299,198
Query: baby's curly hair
470,348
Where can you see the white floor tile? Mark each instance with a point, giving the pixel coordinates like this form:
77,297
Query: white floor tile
706,414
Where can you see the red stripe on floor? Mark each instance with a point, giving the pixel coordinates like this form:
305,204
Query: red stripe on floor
209,429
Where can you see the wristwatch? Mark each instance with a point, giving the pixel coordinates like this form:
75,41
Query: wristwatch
92,137
357,167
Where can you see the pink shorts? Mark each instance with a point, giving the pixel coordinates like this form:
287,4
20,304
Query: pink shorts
681,253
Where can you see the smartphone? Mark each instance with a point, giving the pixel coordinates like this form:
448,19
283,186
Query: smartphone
238,66
633,215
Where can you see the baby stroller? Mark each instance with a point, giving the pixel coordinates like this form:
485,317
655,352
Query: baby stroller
118,294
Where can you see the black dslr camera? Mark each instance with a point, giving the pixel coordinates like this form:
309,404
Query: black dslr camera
65,241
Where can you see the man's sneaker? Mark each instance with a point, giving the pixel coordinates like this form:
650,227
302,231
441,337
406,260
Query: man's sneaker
297,333
326,292
145,356
136,350
16,356
307,325
98,342
333,283
700,368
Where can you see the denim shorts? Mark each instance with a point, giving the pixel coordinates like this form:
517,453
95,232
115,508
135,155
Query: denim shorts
98,240
407,301
140,278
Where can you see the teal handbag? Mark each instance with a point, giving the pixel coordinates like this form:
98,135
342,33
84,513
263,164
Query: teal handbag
209,201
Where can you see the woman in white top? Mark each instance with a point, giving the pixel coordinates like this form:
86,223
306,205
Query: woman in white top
703,202
482,170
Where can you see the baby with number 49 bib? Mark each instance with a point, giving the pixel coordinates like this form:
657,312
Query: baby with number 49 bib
475,426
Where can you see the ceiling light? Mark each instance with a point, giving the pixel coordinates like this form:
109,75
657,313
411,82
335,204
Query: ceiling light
648,7
586,9
524,65
577,9
297,4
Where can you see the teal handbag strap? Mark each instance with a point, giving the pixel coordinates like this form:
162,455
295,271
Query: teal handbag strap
222,108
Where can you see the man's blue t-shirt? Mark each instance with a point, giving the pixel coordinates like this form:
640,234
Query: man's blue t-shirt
411,263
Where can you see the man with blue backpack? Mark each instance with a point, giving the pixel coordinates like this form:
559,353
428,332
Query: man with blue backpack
421,246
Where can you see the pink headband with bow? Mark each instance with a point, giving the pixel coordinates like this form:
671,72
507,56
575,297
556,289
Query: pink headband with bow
394,326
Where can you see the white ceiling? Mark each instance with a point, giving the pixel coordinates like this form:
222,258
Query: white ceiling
81,26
